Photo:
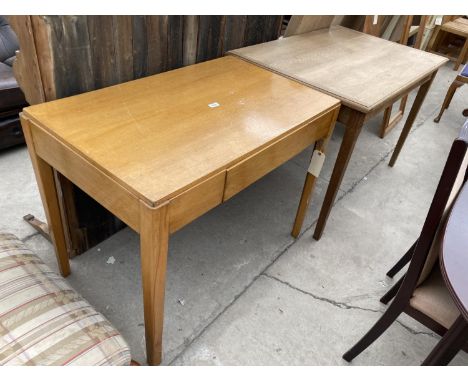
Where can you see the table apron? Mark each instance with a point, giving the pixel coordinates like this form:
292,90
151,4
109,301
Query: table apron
243,174
87,177
400,94
192,203
196,201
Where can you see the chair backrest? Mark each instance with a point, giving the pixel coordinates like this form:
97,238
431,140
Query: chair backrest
8,41
433,254
427,249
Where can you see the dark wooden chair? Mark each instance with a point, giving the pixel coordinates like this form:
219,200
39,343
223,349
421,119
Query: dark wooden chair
421,293
460,80
453,261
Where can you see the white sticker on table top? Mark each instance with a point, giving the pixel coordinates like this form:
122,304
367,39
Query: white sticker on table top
214,104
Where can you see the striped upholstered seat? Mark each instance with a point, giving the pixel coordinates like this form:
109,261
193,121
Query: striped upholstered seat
43,321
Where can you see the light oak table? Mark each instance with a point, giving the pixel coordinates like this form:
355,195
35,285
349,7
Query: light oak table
160,151
366,73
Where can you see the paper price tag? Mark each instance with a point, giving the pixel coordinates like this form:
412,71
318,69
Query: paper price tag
316,163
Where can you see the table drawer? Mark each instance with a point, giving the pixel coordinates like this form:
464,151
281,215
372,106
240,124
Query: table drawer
261,163
196,201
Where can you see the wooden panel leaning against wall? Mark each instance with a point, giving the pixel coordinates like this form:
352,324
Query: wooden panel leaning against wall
65,55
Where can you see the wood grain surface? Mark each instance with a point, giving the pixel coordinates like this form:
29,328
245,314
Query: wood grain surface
158,136
363,71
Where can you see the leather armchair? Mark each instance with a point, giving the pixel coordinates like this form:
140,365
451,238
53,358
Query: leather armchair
12,99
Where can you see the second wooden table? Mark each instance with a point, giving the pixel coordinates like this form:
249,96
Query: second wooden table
160,151
366,73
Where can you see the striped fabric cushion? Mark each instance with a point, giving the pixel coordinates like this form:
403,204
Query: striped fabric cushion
43,321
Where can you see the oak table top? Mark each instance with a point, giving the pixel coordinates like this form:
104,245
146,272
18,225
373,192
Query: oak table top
454,254
363,71
159,135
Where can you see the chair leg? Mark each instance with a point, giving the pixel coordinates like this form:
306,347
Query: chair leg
462,56
448,98
402,262
449,345
390,315
385,299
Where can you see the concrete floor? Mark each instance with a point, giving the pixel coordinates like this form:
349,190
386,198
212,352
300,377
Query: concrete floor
240,290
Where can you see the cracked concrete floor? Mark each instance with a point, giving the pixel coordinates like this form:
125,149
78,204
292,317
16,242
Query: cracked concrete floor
240,290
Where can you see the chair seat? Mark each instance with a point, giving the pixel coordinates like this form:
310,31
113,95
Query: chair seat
433,299
464,72
11,96
43,321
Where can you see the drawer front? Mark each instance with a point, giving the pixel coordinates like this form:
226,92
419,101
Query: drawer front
261,163
196,201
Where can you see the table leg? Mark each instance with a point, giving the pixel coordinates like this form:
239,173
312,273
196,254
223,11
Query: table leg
353,129
50,200
309,183
450,344
389,121
422,92
154,239
386,120
462,56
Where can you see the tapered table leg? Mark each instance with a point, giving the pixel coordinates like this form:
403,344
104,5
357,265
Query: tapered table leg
154,240
309,183
422,92
353,129
46,184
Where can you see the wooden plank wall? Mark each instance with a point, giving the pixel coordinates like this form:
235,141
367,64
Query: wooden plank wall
66,55
83,53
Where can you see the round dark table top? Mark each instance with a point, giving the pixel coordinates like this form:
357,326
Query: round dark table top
454,255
